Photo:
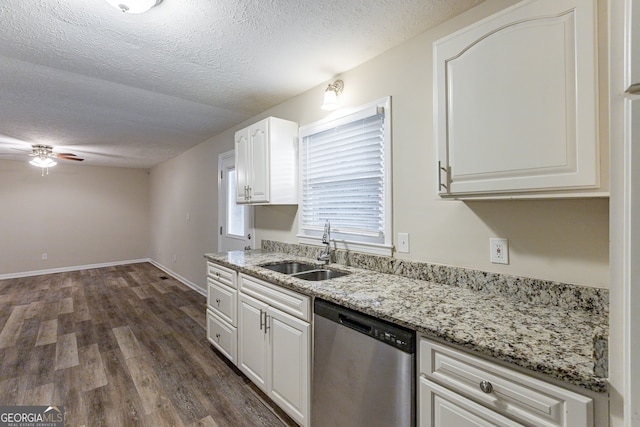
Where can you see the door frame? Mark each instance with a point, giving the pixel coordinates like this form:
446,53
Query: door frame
222,206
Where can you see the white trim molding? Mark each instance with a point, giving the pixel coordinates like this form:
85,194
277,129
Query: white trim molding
102,265
179,278
72,268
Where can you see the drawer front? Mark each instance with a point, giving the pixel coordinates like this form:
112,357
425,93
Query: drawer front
506,391
285,300
224,275
223,336
222,300
440,407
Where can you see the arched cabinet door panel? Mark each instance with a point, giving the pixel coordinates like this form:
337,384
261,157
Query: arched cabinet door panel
516,102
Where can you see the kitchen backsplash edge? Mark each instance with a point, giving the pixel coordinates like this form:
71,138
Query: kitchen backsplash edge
534,291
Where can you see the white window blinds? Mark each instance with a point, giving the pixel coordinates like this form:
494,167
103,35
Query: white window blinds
343,177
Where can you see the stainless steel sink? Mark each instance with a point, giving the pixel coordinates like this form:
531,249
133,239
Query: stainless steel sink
320,274
290,267
304,271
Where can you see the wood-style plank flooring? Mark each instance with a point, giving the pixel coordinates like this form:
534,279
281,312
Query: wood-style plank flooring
120,346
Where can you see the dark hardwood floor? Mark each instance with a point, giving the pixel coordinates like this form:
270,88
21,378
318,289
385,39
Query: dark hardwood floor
120,346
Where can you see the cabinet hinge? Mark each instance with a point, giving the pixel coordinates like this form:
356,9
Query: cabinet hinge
221,230
221,177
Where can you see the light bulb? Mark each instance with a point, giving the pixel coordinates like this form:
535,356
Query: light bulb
330,100
133,6
43,162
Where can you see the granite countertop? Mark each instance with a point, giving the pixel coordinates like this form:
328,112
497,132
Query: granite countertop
559,342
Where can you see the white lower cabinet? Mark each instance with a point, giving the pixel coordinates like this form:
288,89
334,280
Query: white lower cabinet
459,389
288,356
252,340
440,407
221,310
274,346
223,336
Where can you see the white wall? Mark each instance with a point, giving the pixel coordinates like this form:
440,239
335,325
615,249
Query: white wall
78,215
187,186
562,240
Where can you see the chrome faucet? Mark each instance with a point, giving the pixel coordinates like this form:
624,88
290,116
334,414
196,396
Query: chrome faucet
326,240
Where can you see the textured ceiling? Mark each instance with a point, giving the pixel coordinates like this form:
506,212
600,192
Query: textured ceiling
136,90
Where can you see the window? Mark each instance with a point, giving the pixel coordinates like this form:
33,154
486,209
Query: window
345,169
235,212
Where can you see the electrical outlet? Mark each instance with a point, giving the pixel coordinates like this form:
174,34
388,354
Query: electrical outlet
499,250
403,242
188,216
44,256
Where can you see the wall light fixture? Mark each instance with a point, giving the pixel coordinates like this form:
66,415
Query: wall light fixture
331,95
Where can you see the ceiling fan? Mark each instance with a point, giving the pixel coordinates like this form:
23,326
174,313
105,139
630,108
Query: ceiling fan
43,156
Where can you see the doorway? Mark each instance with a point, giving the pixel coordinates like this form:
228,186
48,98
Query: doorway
235,222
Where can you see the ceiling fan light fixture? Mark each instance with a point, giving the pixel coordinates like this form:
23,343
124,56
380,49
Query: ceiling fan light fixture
133,6
43,162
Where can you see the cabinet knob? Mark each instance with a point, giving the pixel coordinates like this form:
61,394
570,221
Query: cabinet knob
486,386
218,301
218,337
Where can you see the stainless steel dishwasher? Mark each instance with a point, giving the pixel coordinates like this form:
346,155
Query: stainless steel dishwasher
363,370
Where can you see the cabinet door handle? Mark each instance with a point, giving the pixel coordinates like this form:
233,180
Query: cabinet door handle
446,174
218,337
486,386
265,315
266,322
218,301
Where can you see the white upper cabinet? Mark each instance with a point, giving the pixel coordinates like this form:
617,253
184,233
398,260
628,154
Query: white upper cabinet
267,162
632,27
516,103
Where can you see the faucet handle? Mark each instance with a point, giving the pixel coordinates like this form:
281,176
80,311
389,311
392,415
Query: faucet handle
327,232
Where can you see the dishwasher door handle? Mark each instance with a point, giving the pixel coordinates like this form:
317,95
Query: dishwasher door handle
354,324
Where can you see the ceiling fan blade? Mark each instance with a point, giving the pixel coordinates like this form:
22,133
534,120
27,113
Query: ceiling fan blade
24,150
65,154
77,159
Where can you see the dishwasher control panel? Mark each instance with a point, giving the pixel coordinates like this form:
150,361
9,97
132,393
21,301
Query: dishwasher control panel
397,336
389,337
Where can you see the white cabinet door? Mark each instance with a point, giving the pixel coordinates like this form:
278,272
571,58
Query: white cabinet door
632,27
267,162
440,407
252,340
243,166
516,102
289,368
260,182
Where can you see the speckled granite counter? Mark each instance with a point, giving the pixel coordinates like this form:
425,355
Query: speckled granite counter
559,342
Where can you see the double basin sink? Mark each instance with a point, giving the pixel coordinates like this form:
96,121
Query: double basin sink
304,271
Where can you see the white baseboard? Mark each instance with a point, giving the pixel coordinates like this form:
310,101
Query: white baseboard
179,277
73,268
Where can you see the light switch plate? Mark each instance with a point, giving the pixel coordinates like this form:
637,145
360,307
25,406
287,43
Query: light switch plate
403,242
499,250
